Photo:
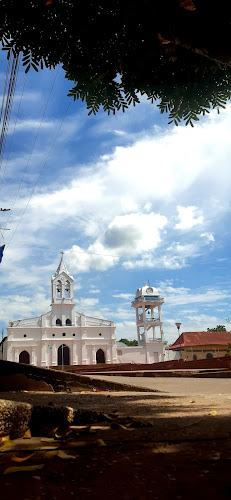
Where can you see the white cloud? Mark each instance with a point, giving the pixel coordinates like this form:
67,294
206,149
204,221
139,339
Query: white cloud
95,258
188,218
127,296
181,295
94,290
30,124
208,237
126,235
86,303
22,306
102,203
126,329
150,260
187,250
129,234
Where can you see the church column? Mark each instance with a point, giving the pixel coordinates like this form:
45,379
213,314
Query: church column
74,353
114,353
44,355
93,355
144,323
33,361
108,355
54,355
84,353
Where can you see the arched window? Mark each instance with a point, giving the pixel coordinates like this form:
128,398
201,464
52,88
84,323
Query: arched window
209,355
59,290
58,322
100,356
63,355
24,357
67,289
194,357
68,322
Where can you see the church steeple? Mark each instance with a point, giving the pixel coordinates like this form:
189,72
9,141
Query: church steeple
62,266
62,285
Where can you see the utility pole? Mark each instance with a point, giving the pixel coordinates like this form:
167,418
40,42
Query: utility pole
2,343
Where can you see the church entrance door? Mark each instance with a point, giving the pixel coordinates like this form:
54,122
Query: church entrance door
100,356
63,355
24,357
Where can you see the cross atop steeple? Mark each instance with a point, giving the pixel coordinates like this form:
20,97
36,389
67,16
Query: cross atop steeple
62,266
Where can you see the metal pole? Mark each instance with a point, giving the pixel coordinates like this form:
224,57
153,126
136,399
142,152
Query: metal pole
178,325
62,356
2,343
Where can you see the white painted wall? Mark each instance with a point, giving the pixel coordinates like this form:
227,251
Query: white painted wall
171,355
42,344
150,353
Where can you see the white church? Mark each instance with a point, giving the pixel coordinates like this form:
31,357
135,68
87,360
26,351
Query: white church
64,336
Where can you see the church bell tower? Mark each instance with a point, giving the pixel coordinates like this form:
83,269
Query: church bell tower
62,296
148,304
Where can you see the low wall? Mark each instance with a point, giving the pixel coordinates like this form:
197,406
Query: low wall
206,364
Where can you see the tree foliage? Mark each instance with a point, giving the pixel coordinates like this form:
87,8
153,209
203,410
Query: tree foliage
176,52
219,328
130,343
228,352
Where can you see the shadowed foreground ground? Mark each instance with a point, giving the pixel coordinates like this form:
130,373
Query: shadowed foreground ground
186,452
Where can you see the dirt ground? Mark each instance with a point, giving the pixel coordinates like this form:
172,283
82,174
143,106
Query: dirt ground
186,452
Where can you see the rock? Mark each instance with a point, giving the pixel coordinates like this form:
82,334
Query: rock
14,418
46,418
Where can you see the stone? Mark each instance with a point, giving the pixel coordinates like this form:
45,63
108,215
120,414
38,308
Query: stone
14,418
46,418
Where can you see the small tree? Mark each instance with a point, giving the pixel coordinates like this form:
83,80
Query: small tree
228,353
219,328
129,343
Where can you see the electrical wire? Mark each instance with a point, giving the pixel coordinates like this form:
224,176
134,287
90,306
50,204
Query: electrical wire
40,173
5,86
33,145
9,103
13,133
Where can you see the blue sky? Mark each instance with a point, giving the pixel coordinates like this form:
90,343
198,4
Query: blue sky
127,197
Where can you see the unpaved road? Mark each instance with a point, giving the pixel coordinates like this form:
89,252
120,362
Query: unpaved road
176,386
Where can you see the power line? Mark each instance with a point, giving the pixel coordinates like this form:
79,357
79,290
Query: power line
5,86
8,105
12,137
33,146
41,171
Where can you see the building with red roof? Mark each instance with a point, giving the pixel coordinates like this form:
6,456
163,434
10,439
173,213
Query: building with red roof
200,345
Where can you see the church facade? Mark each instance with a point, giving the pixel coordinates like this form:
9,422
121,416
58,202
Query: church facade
61,336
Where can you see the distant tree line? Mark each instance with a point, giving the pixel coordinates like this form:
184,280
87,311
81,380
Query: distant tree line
219,328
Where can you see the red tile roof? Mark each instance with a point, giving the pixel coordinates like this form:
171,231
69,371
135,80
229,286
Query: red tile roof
189,339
